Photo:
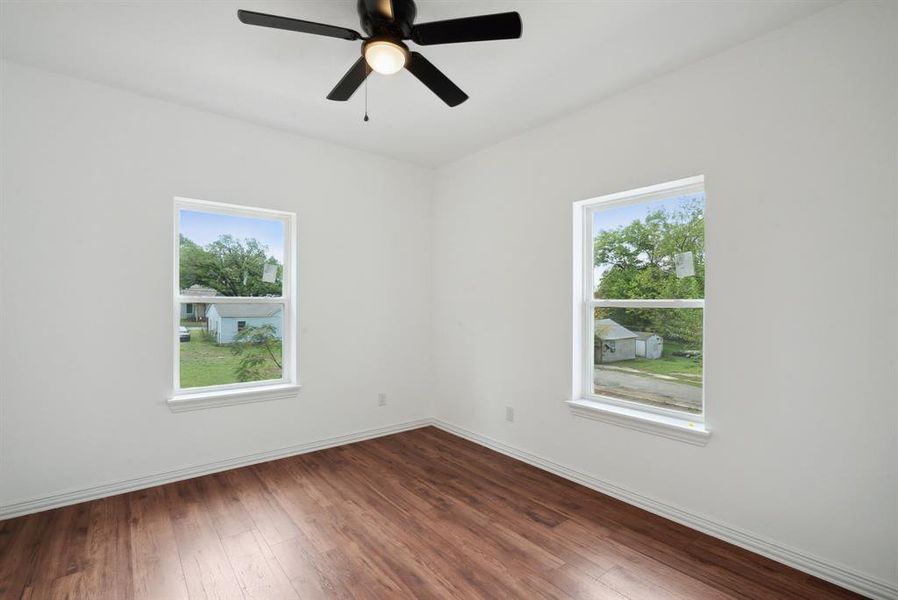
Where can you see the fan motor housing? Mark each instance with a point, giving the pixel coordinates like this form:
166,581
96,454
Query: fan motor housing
375,24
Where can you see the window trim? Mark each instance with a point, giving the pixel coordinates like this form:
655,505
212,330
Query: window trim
252,391
583,402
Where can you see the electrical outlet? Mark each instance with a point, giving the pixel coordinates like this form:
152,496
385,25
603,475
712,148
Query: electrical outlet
381,399
509,414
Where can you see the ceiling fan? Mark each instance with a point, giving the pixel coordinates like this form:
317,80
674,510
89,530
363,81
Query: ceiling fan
387,23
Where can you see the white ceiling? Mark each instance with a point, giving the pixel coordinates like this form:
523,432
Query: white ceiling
573,52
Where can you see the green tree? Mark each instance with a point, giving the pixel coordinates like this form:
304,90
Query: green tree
230,266
637,262
256,346
195,264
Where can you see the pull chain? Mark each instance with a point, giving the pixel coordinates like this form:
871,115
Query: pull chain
366,96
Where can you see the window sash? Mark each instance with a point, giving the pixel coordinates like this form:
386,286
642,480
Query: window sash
587,357
289,346
663,191
182,299
650,303
288,373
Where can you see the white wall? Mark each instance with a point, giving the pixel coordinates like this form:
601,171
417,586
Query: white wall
796,134
89,174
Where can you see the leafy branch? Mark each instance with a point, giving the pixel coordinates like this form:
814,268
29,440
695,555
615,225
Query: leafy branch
255,346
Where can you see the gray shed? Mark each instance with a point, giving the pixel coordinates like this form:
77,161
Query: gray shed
613,342
649,345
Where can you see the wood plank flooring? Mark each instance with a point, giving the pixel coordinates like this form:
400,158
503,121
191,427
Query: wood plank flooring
421,514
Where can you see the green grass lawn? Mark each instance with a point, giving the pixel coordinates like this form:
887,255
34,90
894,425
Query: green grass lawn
206,363
685,370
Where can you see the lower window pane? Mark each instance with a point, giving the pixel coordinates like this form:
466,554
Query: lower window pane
230,343
649,355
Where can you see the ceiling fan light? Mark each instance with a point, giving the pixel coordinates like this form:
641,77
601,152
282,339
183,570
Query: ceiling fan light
385,57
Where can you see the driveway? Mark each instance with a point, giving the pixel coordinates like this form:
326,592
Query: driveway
640,388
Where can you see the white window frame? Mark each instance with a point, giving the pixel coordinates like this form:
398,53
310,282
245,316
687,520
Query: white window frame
253,391
670,423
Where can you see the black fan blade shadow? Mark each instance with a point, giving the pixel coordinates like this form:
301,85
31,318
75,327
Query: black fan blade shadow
433,78
262,20
501,26
354,77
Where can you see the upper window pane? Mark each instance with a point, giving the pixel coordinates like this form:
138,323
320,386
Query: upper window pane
650,250
230,255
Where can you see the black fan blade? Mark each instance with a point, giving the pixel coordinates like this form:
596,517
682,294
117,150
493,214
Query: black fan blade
253,18
354,77
382,8
502,26
433,78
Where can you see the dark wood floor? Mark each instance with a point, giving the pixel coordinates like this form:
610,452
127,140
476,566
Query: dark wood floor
420,514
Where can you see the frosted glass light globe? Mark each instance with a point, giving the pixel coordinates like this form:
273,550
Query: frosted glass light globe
385,57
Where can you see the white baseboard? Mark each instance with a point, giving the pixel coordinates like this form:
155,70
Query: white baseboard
818,567
67,498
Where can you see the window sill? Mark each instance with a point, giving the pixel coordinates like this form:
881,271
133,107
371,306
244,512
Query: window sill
214,399
668,427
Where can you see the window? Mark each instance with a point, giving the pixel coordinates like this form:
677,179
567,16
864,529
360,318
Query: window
639,300
234,276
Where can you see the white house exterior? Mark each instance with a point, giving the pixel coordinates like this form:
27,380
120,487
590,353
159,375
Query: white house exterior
195,311
226,320
649,345
613,342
